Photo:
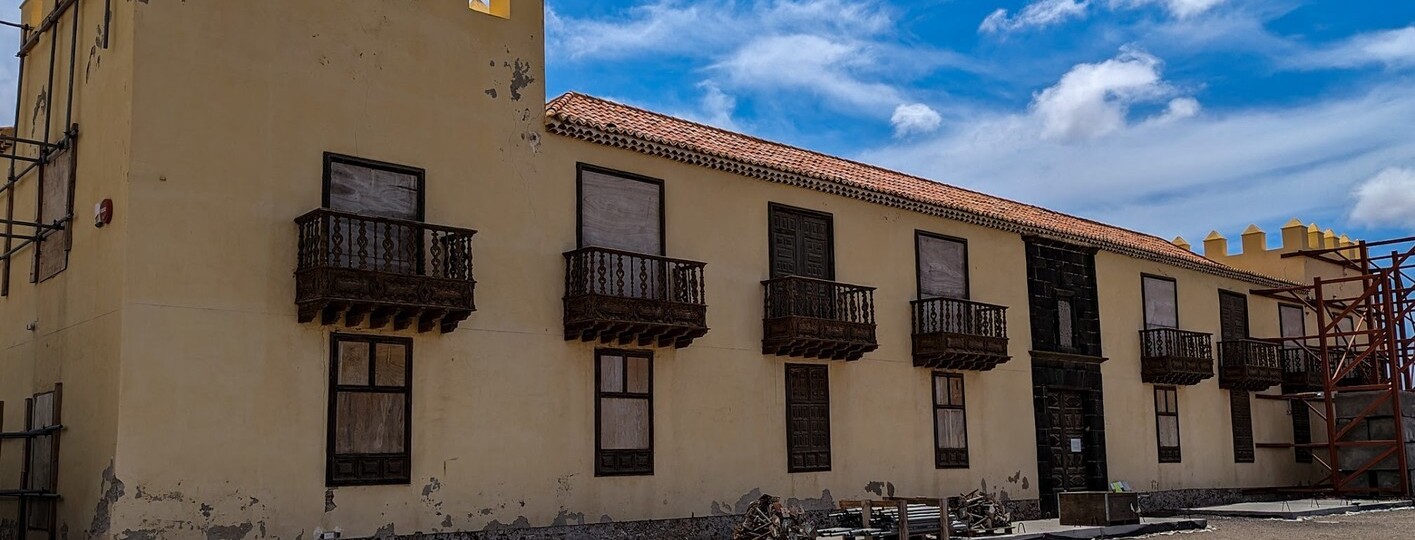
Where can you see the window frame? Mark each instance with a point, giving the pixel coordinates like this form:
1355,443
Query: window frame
1165,455
333,417
581,168
939,461
919,235
830,442
330,158
601,395
1145,299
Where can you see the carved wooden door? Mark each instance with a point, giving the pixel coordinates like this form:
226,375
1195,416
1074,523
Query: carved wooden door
1233,316
807,417
802,244
1067,438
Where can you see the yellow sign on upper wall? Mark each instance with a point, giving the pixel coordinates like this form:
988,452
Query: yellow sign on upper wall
499,8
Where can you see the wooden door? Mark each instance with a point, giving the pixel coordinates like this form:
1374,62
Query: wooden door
802,244
1066,417
1233,316
807,417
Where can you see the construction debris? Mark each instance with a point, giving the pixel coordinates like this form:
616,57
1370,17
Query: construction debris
971,515
768,519
982,514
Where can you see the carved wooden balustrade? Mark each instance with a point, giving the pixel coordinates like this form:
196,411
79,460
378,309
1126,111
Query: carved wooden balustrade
354,267
1173,356
1302,369
815,318
1249,364
624,297
959,334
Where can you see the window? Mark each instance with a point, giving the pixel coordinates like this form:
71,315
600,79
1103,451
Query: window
624,412
807,418
376,190
1167,423
499,8
1065,322
1161,299
950,422
56,205
1293,322
620,210
942,266
1241,410
370,410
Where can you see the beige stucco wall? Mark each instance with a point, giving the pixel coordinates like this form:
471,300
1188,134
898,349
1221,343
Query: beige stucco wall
77,315
219,414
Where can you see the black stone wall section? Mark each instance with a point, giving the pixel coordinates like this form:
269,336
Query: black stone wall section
1051,375
1056,270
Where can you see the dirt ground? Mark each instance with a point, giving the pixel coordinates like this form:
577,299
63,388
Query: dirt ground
1395,524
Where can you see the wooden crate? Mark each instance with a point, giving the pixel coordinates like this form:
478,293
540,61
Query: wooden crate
1098,508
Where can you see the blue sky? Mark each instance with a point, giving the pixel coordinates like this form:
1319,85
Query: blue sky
1170,116
1173,117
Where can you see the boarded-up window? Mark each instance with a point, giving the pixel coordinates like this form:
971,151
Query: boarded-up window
378,190
56,206
1294,324
1241,411
620,211
807,418
41,470
943,267
1161,303
1065,323
624,413
950,422
370,410
1167,423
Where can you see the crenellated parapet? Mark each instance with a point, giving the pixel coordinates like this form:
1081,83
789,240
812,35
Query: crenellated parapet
1255,255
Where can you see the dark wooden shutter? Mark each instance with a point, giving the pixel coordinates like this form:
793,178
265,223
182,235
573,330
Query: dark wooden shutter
41,471
57,204
1233,316
619,212
1241,409
943,267
807,418
1161,303
802,244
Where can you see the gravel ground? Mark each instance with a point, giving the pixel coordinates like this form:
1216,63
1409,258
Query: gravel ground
1393,525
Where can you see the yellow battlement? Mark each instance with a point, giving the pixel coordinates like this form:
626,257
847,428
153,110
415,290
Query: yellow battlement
1295,237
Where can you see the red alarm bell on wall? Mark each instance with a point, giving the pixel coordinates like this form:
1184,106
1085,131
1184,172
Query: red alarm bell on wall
103,213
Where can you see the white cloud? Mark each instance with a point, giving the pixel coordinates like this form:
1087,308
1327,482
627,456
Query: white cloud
1179,109
1386,199
1039,14
915,119
1093,100
1181,9
1218,170
1391,48
832,70
717,107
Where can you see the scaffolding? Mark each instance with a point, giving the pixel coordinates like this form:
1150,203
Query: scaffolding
37,496
1364,350
43,148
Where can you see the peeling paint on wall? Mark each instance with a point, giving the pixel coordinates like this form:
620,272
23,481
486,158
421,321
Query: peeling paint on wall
329,505
112,489
520,78
824,502
882,489
496,525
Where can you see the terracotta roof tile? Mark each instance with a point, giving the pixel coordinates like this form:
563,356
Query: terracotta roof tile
607,122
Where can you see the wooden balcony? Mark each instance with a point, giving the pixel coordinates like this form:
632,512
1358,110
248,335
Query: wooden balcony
1173,356
1249,364
1302,370
621,297
959,334
354,268
814,318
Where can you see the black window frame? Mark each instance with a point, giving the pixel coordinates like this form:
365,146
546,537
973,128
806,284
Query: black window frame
601,468
330,158
1168,454
581,168
331,456
919,235
1145,299
948,458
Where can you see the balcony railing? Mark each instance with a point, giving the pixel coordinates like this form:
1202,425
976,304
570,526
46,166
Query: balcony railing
1302,369
814,318
621,297
1249,364
959,334
1173,356
353,267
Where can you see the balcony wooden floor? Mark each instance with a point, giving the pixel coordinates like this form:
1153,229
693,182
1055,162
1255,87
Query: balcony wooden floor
619,297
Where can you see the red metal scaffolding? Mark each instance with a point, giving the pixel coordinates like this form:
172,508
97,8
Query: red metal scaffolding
1364,343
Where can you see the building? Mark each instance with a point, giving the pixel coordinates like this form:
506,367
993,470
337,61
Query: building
353,275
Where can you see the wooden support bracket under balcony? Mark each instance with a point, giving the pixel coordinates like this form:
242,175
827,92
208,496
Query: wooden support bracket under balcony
1249,364
355,269
958,334
1172,356
814,318
625,298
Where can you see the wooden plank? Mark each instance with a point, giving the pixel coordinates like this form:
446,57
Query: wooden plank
942,268
620,213
1161,303
56,203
